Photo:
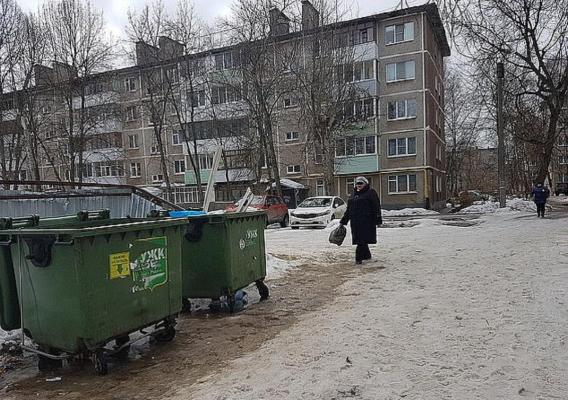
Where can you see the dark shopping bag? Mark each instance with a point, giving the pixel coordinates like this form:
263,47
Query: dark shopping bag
338,235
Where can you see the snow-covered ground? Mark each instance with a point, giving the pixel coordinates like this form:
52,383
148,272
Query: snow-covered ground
408,211
485,207
447,310
458,312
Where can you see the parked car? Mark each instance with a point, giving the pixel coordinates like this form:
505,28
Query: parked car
561,188
317,211
275,208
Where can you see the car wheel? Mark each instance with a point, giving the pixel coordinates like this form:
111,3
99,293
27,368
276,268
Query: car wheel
284,222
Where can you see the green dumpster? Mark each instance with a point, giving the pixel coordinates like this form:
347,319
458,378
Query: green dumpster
9,305
222,253
81,285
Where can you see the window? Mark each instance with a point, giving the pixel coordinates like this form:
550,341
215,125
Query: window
172,74
358,110
362,70
320,187
402,147
294,169
356,146
131,113
227,60
225,94
400,71
290,102
399,33
177,138
154,148
438,184
401,109
563,160
94,88
562,177
359,71
360,36
205,161
179,166
157,178
196,98
103,169
135,170
318,154
292,136
130,84
402,183
350,183
438,152
133,141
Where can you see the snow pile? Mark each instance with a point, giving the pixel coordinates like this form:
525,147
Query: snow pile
277,267
407,212
512,205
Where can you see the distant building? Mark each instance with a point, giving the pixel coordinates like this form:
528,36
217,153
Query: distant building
397,139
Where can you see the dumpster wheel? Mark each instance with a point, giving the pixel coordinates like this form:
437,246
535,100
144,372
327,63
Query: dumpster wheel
45,364
263,290
100,363
167,334
186,305
122,346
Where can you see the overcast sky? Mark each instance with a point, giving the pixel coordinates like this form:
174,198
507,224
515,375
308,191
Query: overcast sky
115,10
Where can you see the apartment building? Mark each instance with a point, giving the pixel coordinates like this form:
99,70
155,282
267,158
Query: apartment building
395,137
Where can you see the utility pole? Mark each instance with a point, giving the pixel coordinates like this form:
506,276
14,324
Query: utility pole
501,139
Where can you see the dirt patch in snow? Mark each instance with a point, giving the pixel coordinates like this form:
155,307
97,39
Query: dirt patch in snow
204,344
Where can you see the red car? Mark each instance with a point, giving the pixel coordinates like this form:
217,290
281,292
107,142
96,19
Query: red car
276,209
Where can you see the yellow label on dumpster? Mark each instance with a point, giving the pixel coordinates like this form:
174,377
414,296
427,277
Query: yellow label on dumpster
119,265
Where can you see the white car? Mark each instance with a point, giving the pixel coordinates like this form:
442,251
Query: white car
317,211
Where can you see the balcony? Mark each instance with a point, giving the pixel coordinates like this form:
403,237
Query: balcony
235,175
94,100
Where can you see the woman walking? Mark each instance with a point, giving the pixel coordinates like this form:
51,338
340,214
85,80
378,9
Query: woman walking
364,212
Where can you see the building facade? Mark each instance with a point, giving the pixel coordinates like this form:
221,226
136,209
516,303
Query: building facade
134,121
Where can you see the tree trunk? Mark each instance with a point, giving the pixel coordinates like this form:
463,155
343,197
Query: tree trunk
548,148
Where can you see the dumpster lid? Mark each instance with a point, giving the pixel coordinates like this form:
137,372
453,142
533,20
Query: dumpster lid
105,229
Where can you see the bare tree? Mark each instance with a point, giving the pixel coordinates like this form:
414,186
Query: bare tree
11,137
79,45
330,100
146,26
185,27
253,74
531,37
462,122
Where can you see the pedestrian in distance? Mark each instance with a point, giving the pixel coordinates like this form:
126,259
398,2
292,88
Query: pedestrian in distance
540,194
364,212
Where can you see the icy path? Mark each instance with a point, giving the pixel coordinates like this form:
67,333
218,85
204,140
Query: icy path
458,313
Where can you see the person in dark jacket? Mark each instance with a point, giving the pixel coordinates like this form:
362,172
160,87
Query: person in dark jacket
540,194
364,212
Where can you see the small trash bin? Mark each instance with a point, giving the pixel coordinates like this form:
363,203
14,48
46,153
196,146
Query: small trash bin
222,253
82,284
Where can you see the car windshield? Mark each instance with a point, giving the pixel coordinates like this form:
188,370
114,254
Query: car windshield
257,201
316,202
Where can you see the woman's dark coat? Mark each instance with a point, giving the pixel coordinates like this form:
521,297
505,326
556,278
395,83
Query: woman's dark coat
364,212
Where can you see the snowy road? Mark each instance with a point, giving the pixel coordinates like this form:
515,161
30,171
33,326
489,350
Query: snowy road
458,313
477,310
